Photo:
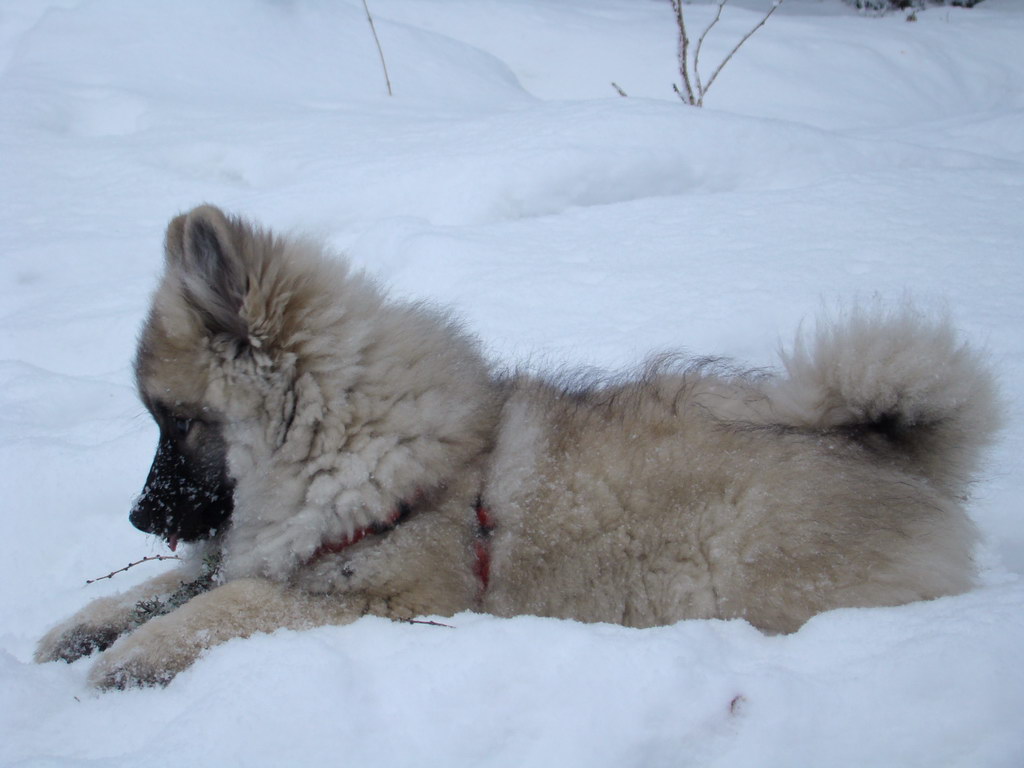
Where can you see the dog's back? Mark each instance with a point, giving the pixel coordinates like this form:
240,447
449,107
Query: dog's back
700,493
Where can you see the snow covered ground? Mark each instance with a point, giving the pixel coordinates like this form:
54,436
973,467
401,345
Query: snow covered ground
839,157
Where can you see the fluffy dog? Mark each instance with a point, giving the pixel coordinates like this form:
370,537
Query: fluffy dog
342,454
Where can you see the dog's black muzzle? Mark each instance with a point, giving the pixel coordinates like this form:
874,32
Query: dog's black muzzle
182,500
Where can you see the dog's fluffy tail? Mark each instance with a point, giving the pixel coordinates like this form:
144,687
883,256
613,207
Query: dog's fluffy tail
900,382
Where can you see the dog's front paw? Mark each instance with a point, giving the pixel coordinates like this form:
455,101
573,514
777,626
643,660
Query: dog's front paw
72,642
151,655
131,671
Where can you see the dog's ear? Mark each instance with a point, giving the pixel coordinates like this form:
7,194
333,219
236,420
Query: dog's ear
205,248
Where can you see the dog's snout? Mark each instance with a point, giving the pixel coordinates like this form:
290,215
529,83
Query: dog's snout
138,515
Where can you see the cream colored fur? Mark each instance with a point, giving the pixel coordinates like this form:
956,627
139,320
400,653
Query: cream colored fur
689,491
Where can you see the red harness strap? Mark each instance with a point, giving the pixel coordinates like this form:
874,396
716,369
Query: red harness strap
482,545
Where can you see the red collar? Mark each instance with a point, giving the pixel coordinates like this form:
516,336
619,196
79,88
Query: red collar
481,544
402,511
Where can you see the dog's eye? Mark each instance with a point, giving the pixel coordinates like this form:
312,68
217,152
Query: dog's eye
181,426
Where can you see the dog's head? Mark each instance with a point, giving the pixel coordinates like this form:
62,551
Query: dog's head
281,381
196,322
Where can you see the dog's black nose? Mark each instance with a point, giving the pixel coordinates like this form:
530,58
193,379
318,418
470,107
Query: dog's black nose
139,516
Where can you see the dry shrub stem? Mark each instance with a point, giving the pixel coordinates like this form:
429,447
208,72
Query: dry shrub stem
132,565
428,623
693,89
380,51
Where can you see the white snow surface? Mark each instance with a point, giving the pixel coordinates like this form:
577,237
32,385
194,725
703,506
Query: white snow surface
839,158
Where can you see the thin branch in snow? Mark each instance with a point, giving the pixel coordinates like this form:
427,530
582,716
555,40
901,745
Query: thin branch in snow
383,64
695,95
428,623
684,53
775,7
700,44
132,565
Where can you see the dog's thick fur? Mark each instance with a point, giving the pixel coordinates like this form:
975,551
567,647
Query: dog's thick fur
298,407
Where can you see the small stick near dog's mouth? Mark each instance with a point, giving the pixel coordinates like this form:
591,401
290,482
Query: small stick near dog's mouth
132,565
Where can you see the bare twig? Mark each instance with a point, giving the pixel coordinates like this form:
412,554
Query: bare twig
428,623
380,50
684,53
619,90
775,7
132,565
700,44
690,94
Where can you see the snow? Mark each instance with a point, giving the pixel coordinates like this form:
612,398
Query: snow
839,157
